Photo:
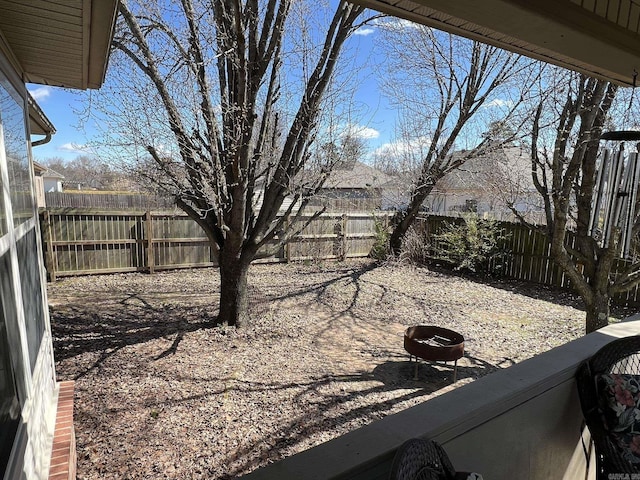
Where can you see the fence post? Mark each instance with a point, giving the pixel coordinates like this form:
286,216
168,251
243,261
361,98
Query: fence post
149,234
287,246
49,260
343,240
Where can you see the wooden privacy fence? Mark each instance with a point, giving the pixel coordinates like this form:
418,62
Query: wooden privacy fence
104,200
84,241
527,256
80,241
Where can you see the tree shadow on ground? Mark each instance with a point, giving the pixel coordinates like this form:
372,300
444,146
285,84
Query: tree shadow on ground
391,376
327,413
352,274
106,329
556,295
318,293
431,376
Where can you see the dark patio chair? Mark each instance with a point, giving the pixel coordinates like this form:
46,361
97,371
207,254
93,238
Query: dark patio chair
609,391
422,459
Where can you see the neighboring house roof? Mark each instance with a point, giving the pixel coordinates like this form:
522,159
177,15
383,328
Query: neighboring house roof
49,173
497,168
357,176
45,172
38,169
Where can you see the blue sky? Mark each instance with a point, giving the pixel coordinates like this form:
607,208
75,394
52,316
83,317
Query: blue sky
60,107
72,134
374,121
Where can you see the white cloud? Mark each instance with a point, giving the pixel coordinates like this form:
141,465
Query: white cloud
75,147
497,102
40,93
360,131
366,132
364,31
402,148
163,150
400,24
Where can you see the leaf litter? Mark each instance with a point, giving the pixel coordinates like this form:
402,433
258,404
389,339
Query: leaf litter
162,393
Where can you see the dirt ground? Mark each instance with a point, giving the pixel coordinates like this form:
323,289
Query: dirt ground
161,393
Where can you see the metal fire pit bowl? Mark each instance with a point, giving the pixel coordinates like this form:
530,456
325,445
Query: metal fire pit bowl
434,344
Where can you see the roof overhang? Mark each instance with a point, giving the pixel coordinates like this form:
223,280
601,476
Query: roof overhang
38,122
597,37
63,44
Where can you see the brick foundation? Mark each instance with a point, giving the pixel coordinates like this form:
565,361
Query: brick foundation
63,453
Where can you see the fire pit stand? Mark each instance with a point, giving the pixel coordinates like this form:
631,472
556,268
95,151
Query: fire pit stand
434,344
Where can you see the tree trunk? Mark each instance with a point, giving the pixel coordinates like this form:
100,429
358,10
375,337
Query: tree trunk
404,219
234,307
597,312
398,233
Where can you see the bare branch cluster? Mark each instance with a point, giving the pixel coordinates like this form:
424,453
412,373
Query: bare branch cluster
566,132
443,83
228,102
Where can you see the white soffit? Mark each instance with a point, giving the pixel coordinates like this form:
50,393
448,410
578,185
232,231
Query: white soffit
59,42
597,37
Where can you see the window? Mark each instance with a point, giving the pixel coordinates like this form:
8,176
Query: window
31,293
16,179
471,206
3,215
9,404
15,143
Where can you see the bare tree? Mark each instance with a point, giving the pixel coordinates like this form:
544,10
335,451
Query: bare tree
441,82
85,171
565,159
216,74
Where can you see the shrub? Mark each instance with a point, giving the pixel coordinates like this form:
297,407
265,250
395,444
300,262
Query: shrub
415,248
380,249
470,245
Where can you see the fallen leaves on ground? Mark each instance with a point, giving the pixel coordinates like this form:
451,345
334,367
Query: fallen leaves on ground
162,393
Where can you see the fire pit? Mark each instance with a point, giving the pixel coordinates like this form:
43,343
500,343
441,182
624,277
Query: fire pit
434,344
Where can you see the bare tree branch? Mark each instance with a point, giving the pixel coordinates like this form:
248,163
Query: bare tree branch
212,72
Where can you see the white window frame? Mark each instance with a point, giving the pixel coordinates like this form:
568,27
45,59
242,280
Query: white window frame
16,327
